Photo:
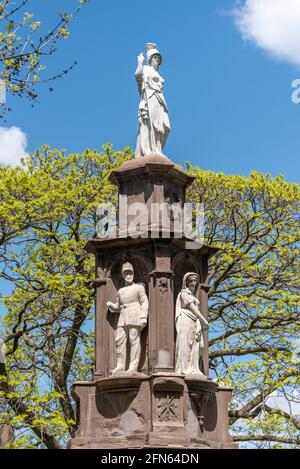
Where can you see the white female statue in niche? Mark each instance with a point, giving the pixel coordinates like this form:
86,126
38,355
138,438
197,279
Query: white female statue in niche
153,119
190,324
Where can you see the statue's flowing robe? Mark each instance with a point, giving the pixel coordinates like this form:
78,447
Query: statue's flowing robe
189,339
153,118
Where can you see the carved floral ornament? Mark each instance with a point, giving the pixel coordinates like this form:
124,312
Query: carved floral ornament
163,285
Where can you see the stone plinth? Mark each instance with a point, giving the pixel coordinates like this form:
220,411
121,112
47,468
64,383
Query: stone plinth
151,411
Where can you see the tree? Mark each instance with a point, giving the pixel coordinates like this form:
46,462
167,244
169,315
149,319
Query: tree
254,299
47,213
24,47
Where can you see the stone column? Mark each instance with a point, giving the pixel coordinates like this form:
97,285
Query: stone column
161,321
101,335
6,435
204,288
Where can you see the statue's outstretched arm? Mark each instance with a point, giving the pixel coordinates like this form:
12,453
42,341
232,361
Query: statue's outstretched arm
139,72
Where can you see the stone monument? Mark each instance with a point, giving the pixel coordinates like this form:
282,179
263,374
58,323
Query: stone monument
151,385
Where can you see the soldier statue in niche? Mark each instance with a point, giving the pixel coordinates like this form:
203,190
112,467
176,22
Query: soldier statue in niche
132,306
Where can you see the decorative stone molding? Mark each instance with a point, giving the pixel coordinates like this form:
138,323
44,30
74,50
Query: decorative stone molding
101,278
167,406
167,396
163,285
119,391
201,391
205,287
122,381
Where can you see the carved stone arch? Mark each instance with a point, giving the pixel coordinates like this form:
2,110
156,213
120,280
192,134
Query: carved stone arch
182,263
142,266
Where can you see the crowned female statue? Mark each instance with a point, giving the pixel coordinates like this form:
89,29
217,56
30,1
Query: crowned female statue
153,119
189,326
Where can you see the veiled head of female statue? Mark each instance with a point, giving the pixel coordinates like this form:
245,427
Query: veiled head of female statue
191,281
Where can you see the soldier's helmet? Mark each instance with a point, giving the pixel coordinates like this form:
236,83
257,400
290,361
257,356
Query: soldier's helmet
127,266
152,50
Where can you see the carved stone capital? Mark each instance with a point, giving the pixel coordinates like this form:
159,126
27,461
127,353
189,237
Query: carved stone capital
101,278
167,383
159,273
205,287
99,281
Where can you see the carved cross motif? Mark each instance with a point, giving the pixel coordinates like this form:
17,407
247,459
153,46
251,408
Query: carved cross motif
167,406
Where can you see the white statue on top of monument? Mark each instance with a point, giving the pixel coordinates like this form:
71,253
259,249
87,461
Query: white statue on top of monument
153,119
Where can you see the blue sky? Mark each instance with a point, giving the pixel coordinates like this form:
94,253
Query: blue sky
229,101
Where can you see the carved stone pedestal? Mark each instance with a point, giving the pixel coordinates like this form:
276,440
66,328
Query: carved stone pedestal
113,413
168,412
155,407
158,411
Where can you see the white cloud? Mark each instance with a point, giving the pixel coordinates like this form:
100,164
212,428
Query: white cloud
13,144
273,25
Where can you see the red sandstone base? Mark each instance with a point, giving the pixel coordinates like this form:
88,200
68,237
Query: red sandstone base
161,411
